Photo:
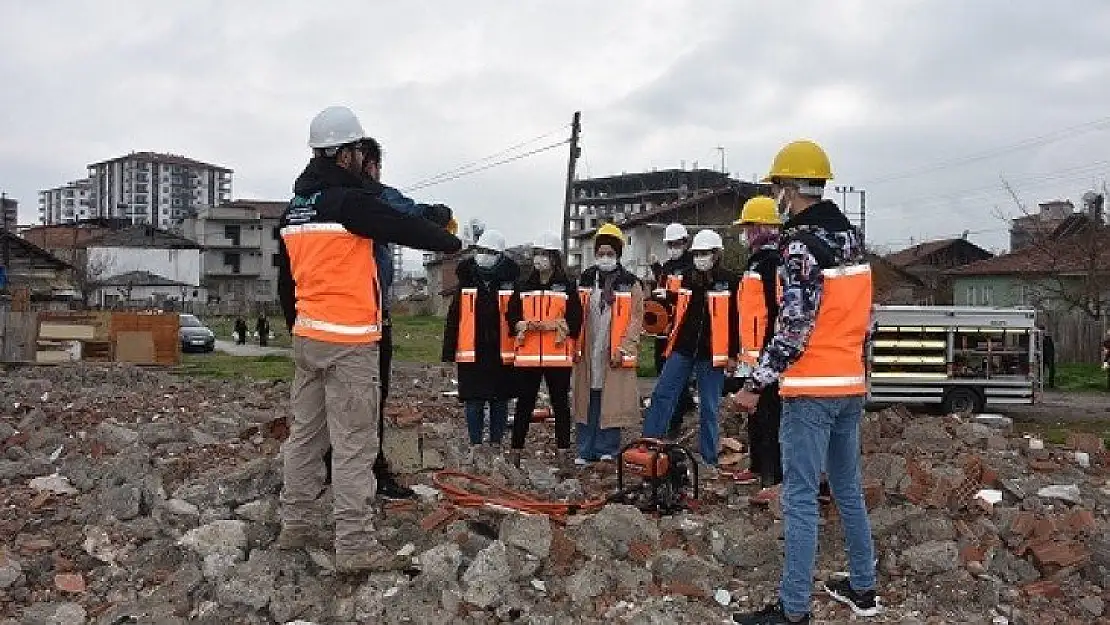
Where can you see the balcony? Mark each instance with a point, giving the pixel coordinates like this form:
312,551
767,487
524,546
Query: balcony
216,265
247,240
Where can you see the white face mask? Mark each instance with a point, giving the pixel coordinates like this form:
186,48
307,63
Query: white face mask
674,253
607,263
485,260
541,262
703,263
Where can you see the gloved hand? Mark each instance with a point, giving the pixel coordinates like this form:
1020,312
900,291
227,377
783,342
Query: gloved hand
562,330
520,328
439,214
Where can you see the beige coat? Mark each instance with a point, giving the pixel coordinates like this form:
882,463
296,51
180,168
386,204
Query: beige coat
620,397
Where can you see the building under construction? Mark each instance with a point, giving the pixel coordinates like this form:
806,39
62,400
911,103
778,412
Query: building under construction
642,204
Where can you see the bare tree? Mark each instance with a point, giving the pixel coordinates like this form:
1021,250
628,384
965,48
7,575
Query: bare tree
1068,264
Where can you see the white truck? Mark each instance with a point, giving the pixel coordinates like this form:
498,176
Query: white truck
962,358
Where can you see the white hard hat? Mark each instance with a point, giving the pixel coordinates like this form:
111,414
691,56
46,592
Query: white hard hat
707,240
549,241
491,240
333,127
675,232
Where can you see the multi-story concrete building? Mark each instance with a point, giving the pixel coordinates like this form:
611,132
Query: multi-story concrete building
9,213
240,243
158,189
66,204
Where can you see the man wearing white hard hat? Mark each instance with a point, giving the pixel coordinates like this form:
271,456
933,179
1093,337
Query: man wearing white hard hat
330,292
704,340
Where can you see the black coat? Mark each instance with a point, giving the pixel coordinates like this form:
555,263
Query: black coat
486,378
693,334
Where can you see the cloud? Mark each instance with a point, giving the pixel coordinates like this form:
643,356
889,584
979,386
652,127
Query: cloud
890,88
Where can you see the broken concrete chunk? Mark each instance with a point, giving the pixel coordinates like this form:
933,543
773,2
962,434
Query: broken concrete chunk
54,483
1064,492
487,579
224,537
530,532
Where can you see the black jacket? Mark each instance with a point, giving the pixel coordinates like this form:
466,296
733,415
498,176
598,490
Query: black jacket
487,378
348,199
693,334
679,266
765,261
558,282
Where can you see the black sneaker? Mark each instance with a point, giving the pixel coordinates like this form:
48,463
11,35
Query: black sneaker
770,615
389,488
862,603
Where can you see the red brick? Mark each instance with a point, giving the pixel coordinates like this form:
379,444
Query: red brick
1059,553
685,590
639,551
1044,528
1081,522
1086,441
441,516
972,553
1043,588
70,582
1043,464
1023,524
873,495
670,540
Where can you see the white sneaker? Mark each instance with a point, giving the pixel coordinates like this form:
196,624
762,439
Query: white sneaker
606,457
581,462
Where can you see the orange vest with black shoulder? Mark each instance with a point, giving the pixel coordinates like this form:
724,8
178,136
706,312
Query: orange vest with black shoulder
466,347
621,318
542,348
719,309
335,276
832,364
754,313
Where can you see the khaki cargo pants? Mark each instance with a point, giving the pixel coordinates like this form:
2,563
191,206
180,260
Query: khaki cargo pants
336,396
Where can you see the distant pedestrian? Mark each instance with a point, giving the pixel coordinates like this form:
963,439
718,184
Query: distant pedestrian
1048,356
262,327
240,331
1106,358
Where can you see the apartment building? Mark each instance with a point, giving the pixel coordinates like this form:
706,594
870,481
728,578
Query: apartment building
66,204
240,249
158,189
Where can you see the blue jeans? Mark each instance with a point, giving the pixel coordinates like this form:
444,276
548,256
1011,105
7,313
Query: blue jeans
822,434
711,381
595,441
476,417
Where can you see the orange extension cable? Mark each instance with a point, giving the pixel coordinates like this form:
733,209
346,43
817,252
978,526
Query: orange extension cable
498,496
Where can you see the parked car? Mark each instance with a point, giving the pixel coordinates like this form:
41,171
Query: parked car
194,335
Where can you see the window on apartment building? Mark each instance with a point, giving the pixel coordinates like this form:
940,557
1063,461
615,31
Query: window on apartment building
970,296
276,233
275,260
232,260
988,295
232,233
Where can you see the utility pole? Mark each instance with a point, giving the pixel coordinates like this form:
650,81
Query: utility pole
722,151
844,191
572,159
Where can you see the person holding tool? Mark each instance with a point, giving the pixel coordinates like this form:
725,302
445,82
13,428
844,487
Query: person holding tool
759,307
545,314
606,392
328,283
478,340
817,358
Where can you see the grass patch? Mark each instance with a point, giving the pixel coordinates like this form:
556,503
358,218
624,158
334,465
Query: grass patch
1057,433
1080,377
227,367
418,338
224,328
645,364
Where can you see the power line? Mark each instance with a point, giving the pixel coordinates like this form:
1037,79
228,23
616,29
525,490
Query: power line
469,172
421,183
1032,142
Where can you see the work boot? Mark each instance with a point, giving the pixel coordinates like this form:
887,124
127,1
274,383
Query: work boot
514,457
375,559
390,488
296,537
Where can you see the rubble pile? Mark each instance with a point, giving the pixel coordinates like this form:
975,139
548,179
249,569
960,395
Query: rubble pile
137,496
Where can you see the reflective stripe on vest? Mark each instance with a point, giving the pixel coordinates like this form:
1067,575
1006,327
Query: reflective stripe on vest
508,339
622,316
832,363
718,302
467,338
541,348
336,284
674,284
752,304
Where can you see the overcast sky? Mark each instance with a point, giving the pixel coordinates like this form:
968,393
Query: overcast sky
900,92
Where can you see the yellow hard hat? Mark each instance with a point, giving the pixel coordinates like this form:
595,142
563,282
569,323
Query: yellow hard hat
610,230
759,210
800,160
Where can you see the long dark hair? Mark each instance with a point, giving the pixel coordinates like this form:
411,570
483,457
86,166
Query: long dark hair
558,267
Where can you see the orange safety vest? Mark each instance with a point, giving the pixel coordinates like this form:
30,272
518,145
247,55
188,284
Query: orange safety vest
751,301
539,348
336,278
718,323
832,363
622,316
465,348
